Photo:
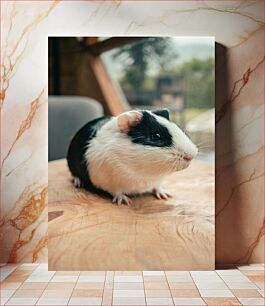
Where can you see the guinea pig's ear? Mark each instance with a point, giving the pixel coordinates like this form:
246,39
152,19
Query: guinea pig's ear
164,112
128,119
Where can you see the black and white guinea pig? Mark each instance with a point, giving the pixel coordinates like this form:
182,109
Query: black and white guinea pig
129,154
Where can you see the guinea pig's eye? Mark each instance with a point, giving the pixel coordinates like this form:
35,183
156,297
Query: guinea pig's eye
156,136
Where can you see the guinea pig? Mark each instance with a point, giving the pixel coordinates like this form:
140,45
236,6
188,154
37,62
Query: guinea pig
129,154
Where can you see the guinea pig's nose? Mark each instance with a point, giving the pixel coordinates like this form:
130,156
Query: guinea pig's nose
187,157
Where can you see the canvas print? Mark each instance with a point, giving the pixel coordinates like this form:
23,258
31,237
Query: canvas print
131,153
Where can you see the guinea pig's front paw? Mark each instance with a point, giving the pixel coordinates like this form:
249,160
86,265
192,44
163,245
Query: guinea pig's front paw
77,182
160,193
122,199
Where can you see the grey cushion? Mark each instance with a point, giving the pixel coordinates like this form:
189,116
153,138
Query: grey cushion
67,114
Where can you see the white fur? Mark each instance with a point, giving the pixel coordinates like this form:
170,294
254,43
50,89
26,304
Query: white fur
118,166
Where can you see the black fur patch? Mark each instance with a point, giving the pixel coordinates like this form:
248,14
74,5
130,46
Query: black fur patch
162,113
77,148
150,132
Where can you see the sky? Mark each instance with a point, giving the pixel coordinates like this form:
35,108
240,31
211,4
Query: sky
190,47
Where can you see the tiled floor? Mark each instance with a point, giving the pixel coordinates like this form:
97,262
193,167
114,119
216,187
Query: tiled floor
33,284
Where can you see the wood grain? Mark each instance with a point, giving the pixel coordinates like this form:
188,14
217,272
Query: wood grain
114,102
90,233
96,47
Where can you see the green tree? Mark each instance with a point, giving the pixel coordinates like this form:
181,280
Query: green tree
140,56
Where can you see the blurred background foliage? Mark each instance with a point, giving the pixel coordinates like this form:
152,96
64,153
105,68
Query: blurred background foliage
177,73
139,57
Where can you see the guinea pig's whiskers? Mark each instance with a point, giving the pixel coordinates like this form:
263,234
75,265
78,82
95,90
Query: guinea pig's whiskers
205,147
176,163
202,143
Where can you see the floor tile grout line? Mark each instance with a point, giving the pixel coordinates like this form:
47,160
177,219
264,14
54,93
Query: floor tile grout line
10,272
195,284
74,287
209,289
41,293
102,295
9,297
242,274
15,290
144,288
76,282
169,288
249,280
44,288
219,276
112,290
13,271
228,287
70,296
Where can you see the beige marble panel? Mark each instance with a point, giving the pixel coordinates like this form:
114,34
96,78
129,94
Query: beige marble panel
25,25
240,154
23,132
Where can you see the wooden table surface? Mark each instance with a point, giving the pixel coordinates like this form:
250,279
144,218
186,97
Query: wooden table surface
87,232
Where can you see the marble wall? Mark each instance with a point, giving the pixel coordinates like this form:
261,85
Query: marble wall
240,152
237,25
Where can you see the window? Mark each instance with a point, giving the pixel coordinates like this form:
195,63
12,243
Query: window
177,73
